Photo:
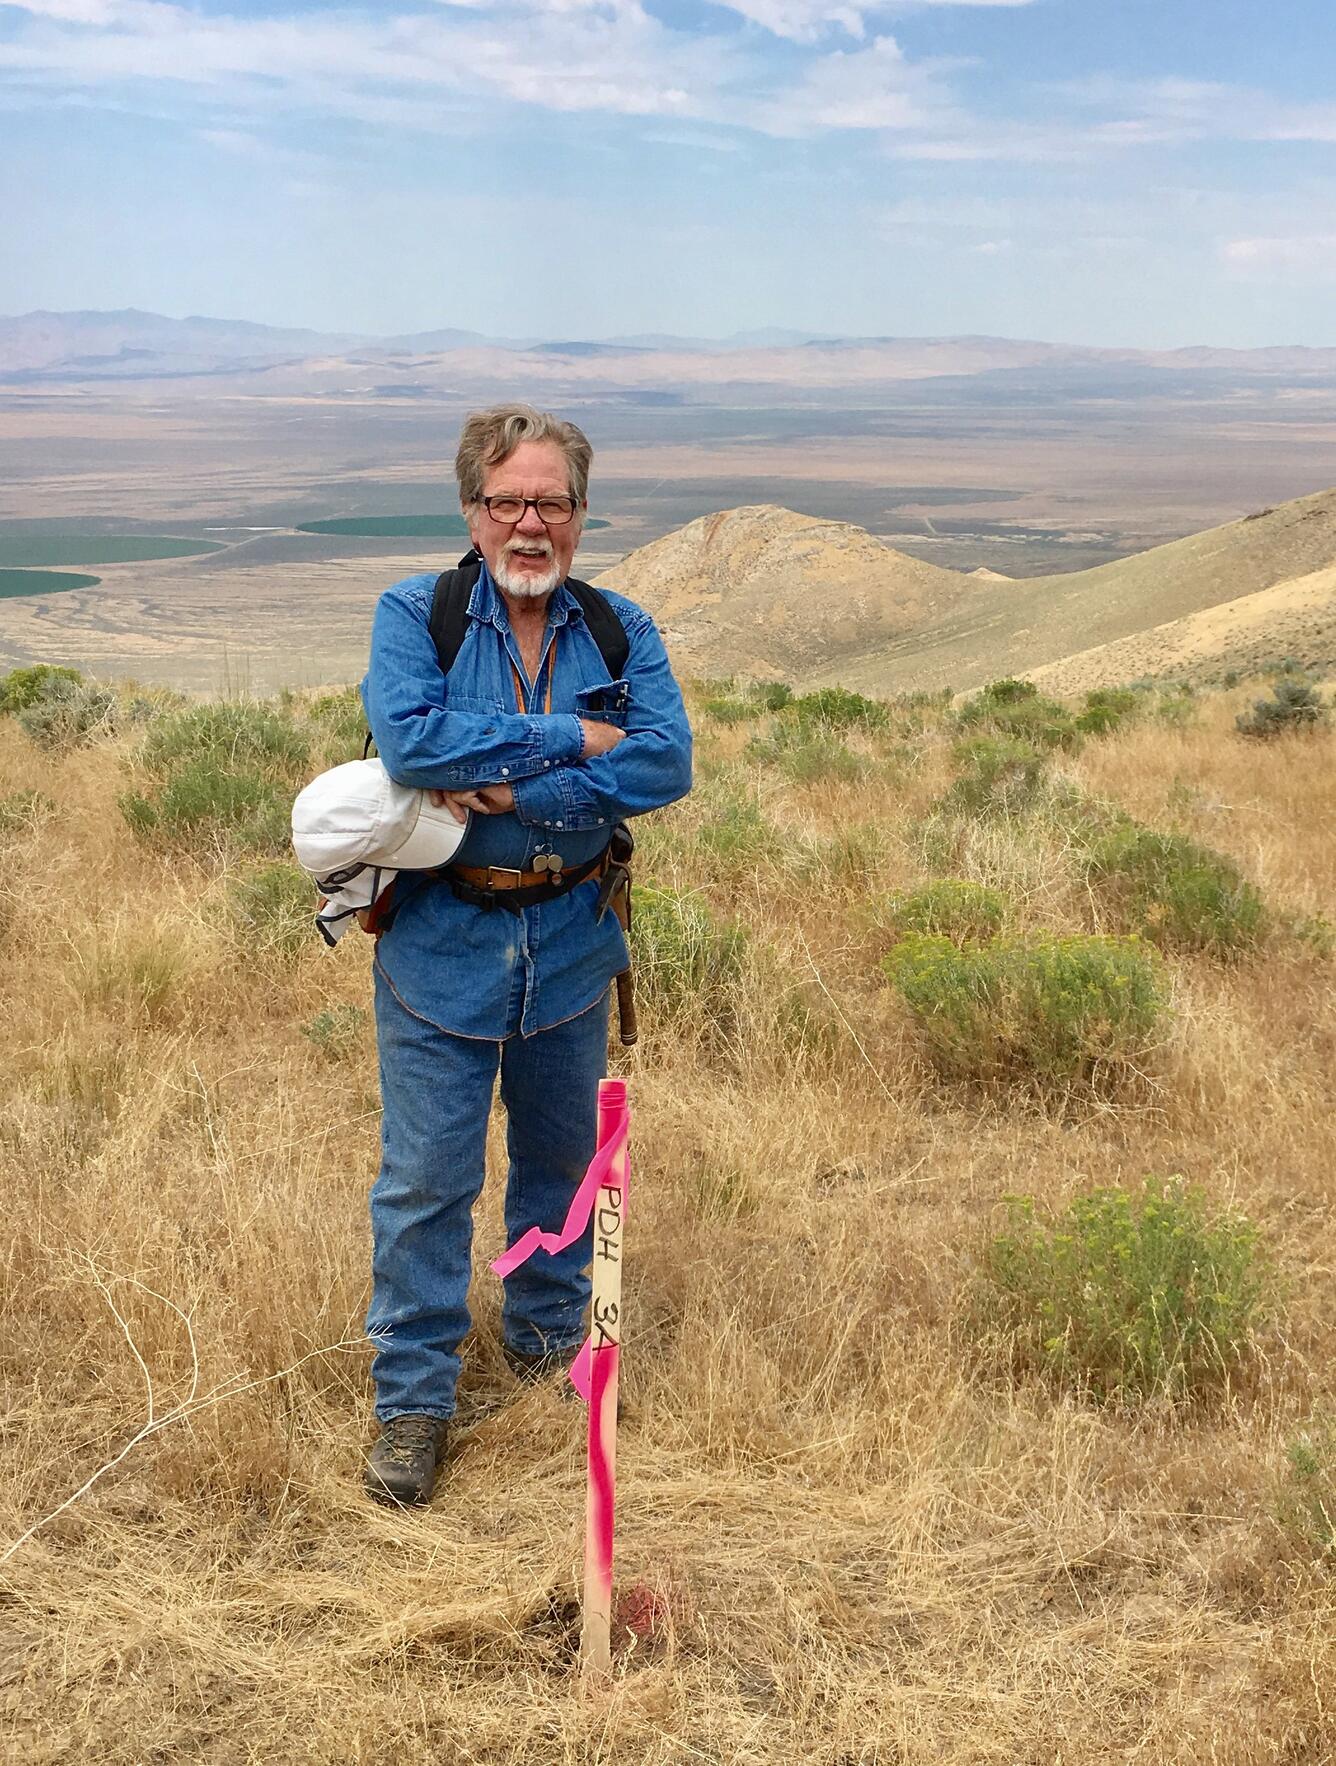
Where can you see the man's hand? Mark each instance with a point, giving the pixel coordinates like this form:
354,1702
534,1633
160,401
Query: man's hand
486,800
599,738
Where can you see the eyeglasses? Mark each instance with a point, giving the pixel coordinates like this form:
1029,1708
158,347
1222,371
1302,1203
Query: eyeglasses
552,511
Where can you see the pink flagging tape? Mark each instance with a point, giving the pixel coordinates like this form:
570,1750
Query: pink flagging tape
601,1499
577,1215
580,1372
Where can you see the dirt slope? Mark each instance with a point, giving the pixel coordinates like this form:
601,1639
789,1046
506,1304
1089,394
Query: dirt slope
772,593
767,592
1295,619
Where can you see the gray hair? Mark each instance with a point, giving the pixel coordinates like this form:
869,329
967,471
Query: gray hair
488,437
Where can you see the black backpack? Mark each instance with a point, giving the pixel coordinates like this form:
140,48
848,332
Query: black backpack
450,609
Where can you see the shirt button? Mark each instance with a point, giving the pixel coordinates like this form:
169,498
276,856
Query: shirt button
504,771
600,821
556,824
547,763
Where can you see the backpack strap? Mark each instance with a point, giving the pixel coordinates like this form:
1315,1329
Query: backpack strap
450,607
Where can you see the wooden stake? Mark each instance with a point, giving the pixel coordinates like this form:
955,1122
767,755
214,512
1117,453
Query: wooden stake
604,1353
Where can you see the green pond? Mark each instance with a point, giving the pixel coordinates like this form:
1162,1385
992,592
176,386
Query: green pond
404,527
42,582
23,550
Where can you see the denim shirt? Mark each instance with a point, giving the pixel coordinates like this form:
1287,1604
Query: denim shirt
456,965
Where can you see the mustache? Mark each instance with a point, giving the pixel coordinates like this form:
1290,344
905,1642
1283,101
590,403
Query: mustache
542,548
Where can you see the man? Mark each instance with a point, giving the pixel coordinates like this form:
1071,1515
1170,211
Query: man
526,739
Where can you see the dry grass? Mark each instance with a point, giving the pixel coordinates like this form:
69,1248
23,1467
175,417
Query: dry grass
873,1550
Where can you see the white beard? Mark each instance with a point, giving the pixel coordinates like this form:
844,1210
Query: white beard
526,588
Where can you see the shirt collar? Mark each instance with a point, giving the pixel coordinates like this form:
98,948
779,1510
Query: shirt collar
486,603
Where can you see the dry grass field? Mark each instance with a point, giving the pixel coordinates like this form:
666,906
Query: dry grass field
869,1538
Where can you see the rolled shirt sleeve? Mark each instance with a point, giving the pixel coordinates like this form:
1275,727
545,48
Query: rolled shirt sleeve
651,767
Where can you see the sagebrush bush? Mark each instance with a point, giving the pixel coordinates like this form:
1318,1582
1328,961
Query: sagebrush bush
730,710
1124,1295
951,907
1107,708
219,777
23,687
805,753
1017,709
273,908
67,713
999,775
685,961
736,833
1295,705
236,733
839,709
1176,892
1056,1010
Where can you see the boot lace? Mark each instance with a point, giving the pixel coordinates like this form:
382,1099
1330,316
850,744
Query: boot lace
408,1436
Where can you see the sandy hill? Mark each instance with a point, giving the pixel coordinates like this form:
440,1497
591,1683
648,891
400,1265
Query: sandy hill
764,591
1296,618
775,593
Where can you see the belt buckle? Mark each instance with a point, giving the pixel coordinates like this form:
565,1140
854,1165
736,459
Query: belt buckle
494,872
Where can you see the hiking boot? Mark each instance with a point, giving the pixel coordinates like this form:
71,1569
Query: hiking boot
402,1466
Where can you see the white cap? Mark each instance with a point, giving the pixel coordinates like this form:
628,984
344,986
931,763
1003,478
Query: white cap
355,814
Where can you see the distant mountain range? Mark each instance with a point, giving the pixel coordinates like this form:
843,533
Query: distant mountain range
130,345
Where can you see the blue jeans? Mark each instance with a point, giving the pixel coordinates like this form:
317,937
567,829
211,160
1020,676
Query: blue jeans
436,1093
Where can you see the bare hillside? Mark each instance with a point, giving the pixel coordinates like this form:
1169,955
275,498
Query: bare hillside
764,591
1293,619
777,593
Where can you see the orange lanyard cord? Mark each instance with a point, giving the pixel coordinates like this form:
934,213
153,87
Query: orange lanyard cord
519,684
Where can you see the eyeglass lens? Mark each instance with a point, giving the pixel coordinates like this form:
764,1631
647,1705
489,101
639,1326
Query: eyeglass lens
552,510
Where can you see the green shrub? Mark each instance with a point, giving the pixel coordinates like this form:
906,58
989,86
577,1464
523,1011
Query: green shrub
23,812
771,695
1176,892
273,910
336,1032
231,734
683,959
23,687
839,709
737,834
999,775
1308,1497
1124,1295
806,753
730,710
67,713
220,776
1056,1010
1106,708
1294,705
1017,709
204,804
951,908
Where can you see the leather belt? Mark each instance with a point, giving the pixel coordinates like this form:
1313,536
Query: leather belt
500,886
505,877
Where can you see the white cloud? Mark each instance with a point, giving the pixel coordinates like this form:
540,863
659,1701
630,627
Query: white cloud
1304,256
876,88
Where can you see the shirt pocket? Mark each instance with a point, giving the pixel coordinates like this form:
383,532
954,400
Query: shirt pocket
609,702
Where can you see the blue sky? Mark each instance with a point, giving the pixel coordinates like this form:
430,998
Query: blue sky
1117,172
